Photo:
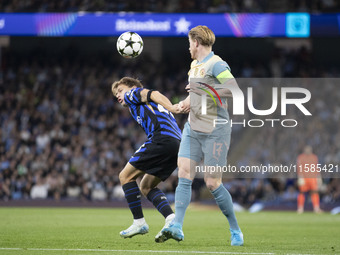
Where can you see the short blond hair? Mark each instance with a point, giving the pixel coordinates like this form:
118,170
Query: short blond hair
203,35
128,81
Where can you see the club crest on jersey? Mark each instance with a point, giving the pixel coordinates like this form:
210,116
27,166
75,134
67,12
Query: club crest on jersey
202,72
130,94
139,120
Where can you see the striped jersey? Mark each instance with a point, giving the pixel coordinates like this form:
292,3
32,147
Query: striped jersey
152,117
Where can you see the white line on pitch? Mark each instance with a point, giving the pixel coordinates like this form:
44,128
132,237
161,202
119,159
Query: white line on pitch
137,251
149,251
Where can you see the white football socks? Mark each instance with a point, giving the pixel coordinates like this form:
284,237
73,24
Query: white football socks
170,217
139,222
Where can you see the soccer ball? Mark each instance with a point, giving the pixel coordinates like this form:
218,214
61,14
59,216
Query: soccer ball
130,45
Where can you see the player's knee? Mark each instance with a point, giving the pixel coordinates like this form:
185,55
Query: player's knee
183,174
144,190
123,178
184,168
212,183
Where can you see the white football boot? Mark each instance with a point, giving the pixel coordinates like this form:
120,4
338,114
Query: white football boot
161,238
135,229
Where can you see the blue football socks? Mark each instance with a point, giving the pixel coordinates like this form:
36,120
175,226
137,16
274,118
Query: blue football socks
182,199
224,201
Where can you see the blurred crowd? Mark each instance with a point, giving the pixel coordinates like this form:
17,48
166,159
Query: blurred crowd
281,145
62,133
187,6
63,136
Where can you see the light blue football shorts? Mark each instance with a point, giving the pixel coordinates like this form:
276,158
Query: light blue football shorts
211,147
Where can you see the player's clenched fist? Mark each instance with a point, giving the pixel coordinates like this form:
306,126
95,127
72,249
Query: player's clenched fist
184,106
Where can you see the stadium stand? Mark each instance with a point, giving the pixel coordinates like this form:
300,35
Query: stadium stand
63,136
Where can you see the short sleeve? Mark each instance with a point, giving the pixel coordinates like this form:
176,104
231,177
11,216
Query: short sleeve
220,67
133,96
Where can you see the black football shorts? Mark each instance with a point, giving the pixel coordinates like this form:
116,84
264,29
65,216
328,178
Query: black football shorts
157,156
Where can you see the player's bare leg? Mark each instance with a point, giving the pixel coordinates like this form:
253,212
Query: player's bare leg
127,179
129,174
148,182
157,197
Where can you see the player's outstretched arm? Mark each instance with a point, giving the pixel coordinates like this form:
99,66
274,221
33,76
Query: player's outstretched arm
159,98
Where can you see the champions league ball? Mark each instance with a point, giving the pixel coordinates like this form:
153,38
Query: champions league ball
130,45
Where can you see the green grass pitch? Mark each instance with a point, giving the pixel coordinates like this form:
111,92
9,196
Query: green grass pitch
96,231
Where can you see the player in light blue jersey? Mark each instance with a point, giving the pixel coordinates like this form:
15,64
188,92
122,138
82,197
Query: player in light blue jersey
201,140
156,159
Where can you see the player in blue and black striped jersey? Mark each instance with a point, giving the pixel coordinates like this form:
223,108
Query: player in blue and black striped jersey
156,158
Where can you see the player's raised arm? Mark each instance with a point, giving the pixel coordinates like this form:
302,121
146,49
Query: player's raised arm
157,97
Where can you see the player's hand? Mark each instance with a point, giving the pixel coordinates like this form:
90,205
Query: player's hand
301,181
175,109
184,108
